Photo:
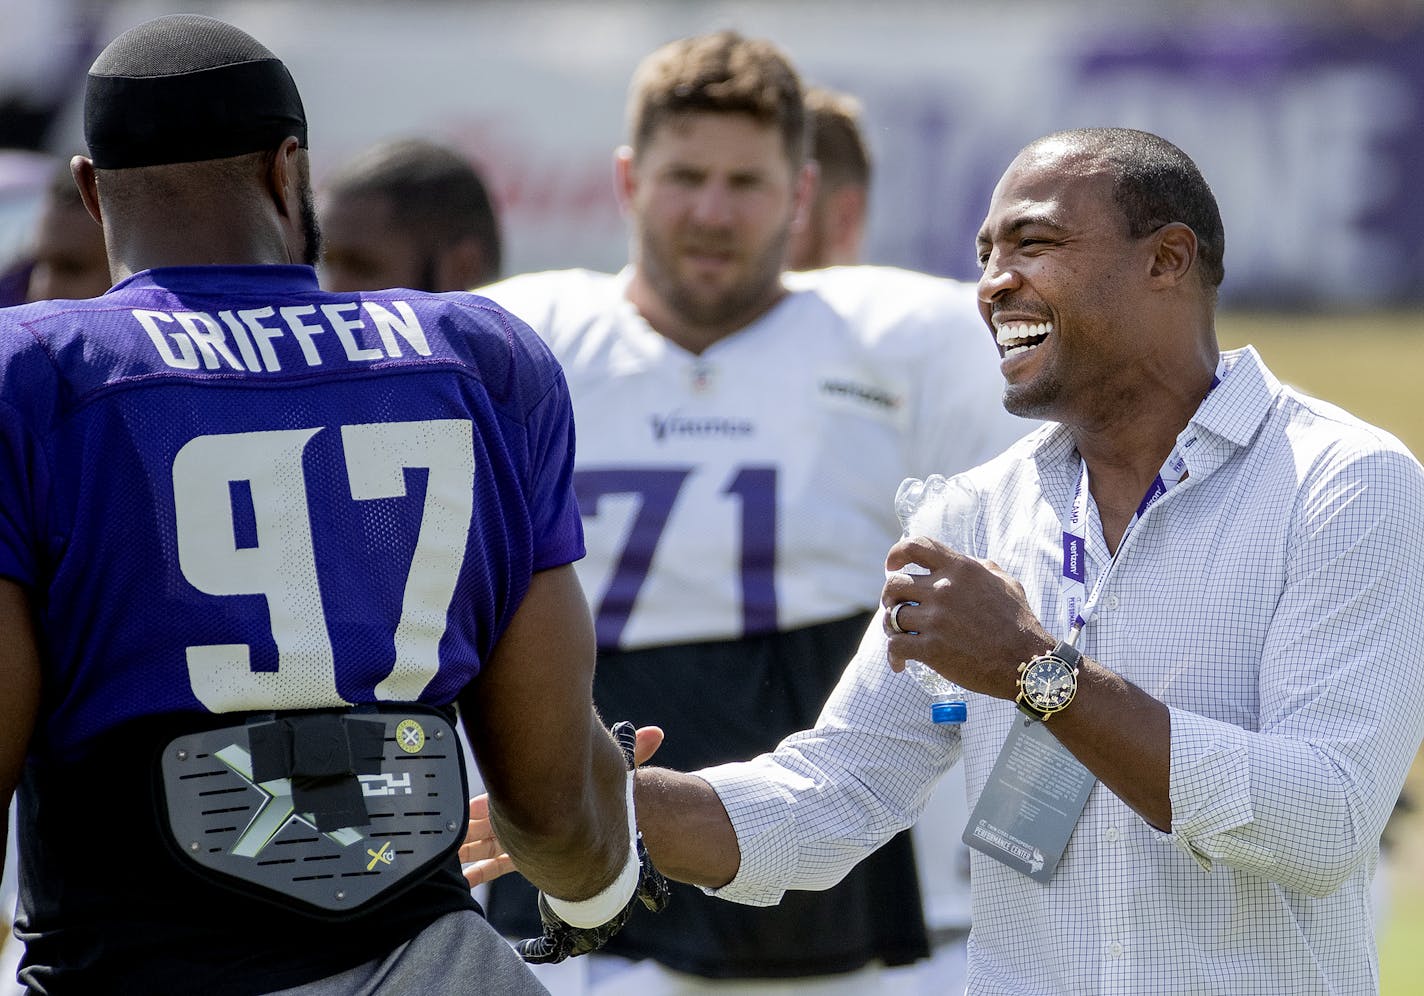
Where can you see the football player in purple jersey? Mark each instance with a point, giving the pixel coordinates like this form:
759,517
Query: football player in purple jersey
257,543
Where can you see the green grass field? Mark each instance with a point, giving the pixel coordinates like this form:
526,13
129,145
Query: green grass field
1402,946
1371,365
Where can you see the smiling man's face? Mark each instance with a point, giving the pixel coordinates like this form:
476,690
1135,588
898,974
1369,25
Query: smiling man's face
1060,277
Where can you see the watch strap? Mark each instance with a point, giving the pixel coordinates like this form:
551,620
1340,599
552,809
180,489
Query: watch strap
1067,653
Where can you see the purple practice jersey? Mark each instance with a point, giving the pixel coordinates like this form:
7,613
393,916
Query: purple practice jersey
227,490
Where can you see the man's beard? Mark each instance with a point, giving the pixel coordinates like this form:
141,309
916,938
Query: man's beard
735,305
311,228
1038,399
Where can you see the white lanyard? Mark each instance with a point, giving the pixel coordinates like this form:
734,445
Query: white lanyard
1082,603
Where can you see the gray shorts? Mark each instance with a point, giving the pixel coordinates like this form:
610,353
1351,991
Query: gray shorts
457,954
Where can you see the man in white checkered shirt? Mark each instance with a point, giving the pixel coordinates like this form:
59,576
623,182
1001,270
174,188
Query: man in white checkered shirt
1249,695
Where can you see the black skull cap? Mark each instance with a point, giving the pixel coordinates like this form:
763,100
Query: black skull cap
186,88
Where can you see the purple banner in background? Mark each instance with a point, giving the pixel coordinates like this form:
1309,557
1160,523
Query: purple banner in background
1313,139
1311,136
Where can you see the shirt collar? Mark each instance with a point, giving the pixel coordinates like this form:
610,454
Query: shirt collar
1226,421
269,278
1236,409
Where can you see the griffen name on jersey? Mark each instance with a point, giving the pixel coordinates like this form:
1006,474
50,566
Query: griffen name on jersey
364,331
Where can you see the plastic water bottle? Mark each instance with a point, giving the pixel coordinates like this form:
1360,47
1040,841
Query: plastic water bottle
943,509
947,703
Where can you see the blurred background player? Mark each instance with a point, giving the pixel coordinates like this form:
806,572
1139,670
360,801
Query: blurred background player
68,249
833,231
207,520
741,438
408,213
65,258
363,205
833,235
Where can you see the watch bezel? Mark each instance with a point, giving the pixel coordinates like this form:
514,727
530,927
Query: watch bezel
1037,707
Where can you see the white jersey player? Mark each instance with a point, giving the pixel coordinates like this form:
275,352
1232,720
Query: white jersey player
760,473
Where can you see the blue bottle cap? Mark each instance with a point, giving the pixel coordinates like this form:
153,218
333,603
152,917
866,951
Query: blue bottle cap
949,712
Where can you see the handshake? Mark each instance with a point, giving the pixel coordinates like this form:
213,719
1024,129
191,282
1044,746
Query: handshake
562,939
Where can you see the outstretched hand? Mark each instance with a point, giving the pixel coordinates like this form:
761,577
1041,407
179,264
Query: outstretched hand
482,857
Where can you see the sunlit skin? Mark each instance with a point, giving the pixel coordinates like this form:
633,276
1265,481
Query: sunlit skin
1055,250
70,261
252,224
712,198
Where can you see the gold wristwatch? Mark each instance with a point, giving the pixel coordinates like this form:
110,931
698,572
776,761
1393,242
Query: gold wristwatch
1048,682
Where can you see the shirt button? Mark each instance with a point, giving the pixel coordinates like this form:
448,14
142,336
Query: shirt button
1113,834
1114,949
1112,602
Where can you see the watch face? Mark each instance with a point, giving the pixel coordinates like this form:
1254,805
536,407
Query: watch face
1049,683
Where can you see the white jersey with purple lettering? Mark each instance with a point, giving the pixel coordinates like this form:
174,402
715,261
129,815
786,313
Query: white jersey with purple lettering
749,489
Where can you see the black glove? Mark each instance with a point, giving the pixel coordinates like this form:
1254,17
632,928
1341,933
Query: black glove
561,940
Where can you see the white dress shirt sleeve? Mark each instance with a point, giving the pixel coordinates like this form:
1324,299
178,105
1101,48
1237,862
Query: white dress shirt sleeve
827,797
1341,689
